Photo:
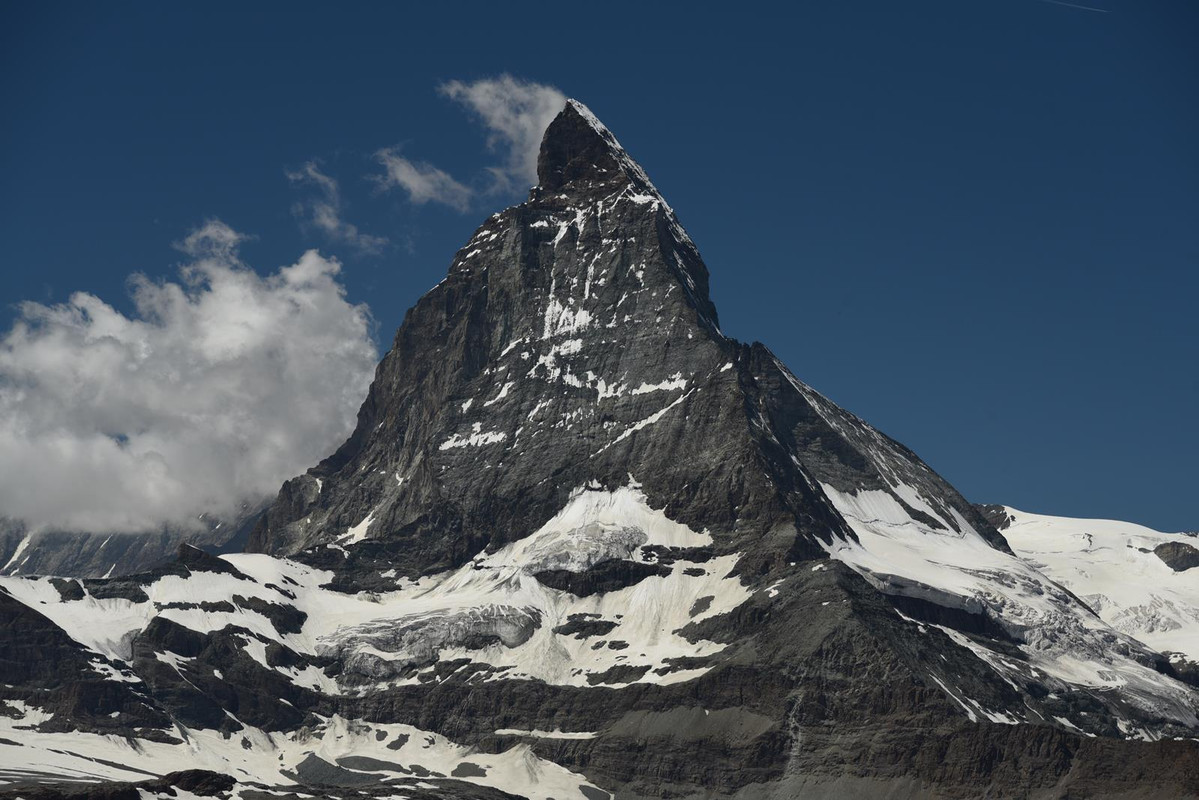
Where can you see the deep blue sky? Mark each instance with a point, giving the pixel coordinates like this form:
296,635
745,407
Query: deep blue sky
975,223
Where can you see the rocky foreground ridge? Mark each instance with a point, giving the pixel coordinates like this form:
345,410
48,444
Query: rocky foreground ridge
582,544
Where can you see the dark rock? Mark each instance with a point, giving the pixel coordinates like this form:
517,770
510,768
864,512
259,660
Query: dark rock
315,771
468,770
68,590
583,626
197,560
1178,556
959,619
701,605
621,673
367,764
284,618
207,605
606,576
995,514
1181,668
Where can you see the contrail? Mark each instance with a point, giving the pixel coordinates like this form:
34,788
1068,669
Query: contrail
1076,5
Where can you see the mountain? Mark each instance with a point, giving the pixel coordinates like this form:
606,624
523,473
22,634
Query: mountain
1140,581
81,554
582,544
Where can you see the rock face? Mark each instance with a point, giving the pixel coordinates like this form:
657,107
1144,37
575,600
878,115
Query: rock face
581,544
1178,556
997,515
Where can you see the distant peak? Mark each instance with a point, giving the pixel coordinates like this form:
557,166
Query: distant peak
576,145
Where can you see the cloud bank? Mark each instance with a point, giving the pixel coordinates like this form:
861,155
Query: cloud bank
515,114
324,211
216,390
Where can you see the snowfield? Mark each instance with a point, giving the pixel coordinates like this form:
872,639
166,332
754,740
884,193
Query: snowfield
430,619
381,635
930,555
1111,566
397,753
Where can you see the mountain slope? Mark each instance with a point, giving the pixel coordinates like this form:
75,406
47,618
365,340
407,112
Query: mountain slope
583,544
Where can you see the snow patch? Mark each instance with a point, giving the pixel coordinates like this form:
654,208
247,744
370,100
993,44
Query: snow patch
676,381
358,532
477,438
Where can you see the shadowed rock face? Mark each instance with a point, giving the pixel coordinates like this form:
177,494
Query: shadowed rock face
588,528
994,514
42,667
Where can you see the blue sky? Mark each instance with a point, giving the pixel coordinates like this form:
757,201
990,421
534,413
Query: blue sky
975,223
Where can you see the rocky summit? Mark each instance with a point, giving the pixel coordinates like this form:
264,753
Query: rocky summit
582,544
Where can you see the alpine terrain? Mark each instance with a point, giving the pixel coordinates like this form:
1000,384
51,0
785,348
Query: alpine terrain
584,545
83,554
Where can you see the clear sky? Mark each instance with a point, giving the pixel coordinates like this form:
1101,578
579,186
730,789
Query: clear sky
975,223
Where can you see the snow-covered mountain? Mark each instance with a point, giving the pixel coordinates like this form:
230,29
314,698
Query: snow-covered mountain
83,554
582,544
1140,581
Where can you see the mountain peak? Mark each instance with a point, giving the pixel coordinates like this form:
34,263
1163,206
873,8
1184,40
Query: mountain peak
581,158
577,146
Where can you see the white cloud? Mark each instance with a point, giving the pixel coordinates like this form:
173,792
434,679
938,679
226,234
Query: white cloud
516,114
324,211
214,239
424,182
212,393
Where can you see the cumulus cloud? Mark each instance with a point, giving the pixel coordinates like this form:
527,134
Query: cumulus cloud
423,182
218,388
515,114
324,211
